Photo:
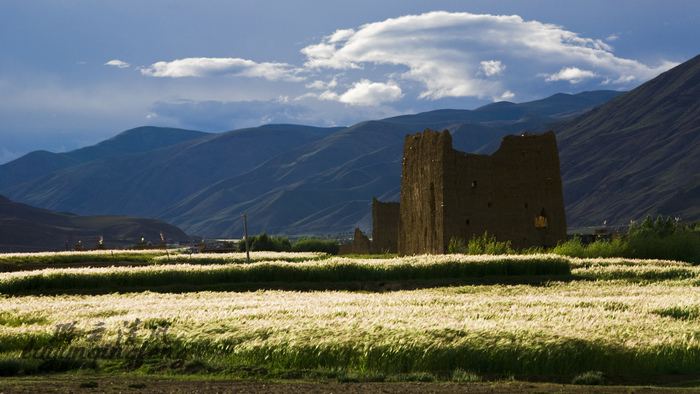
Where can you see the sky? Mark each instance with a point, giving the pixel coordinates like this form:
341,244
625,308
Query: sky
74,73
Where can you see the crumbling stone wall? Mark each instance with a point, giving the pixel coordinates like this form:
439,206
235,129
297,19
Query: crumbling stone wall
515,194
361,243
345,249
385,226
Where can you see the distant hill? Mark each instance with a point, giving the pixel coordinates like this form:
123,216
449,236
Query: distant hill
141,139
26,229
638,154
145,184
288,179
326,187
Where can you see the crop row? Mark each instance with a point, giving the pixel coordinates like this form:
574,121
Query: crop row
154,256
572,327
329,270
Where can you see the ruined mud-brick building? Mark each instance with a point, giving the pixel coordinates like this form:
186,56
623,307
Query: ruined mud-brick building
515,194
361,244
385,231
385,226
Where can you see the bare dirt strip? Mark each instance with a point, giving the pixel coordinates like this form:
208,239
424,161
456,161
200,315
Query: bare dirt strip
123,384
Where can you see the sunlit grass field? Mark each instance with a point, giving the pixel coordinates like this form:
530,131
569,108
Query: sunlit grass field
618,316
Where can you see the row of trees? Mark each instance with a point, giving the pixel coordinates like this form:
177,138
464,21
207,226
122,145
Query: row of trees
278,243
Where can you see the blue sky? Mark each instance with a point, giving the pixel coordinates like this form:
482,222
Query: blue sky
73,73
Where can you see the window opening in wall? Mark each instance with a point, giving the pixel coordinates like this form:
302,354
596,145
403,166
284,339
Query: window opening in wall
541,221
525,205
467,222
473,184
489,204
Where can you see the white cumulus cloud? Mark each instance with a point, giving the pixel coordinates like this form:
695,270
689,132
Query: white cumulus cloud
444,53
203,67
321,85
451,56
117,63
572,74
366,92
491,67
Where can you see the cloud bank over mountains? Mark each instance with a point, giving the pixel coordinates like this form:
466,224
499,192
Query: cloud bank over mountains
433,56
76,73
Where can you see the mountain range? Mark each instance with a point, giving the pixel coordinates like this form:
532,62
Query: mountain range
623,156
25,228
638,154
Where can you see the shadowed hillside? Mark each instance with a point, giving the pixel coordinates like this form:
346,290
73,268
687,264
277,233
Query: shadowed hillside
326,187
26,228
145,184
638,154
289,179
141,139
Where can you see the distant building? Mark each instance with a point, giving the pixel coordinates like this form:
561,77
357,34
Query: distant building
514,194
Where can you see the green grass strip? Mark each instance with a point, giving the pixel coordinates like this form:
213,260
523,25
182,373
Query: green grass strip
331,270
434,351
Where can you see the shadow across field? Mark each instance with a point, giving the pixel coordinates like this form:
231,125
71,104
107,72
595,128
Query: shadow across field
352,286
11,267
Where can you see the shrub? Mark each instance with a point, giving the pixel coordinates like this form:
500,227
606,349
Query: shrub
480,245
571,248
589,379
264,242
488,245
330,246
606,249
457,246
462,376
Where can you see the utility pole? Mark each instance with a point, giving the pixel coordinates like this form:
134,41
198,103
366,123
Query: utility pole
247,246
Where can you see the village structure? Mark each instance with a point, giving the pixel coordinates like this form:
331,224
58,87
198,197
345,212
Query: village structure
514,194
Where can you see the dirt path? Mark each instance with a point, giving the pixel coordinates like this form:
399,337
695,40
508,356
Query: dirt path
110,384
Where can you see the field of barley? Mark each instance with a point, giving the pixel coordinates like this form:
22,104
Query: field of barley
479,315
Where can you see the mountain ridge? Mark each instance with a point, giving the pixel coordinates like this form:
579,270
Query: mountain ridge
322,180
638,154
25,228
277,186
39,163
152,180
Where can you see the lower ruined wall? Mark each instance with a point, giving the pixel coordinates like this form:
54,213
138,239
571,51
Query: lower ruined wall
514,194
345,249
361,243
385,226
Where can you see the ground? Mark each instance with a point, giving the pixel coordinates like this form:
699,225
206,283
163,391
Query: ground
126,384
105,383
